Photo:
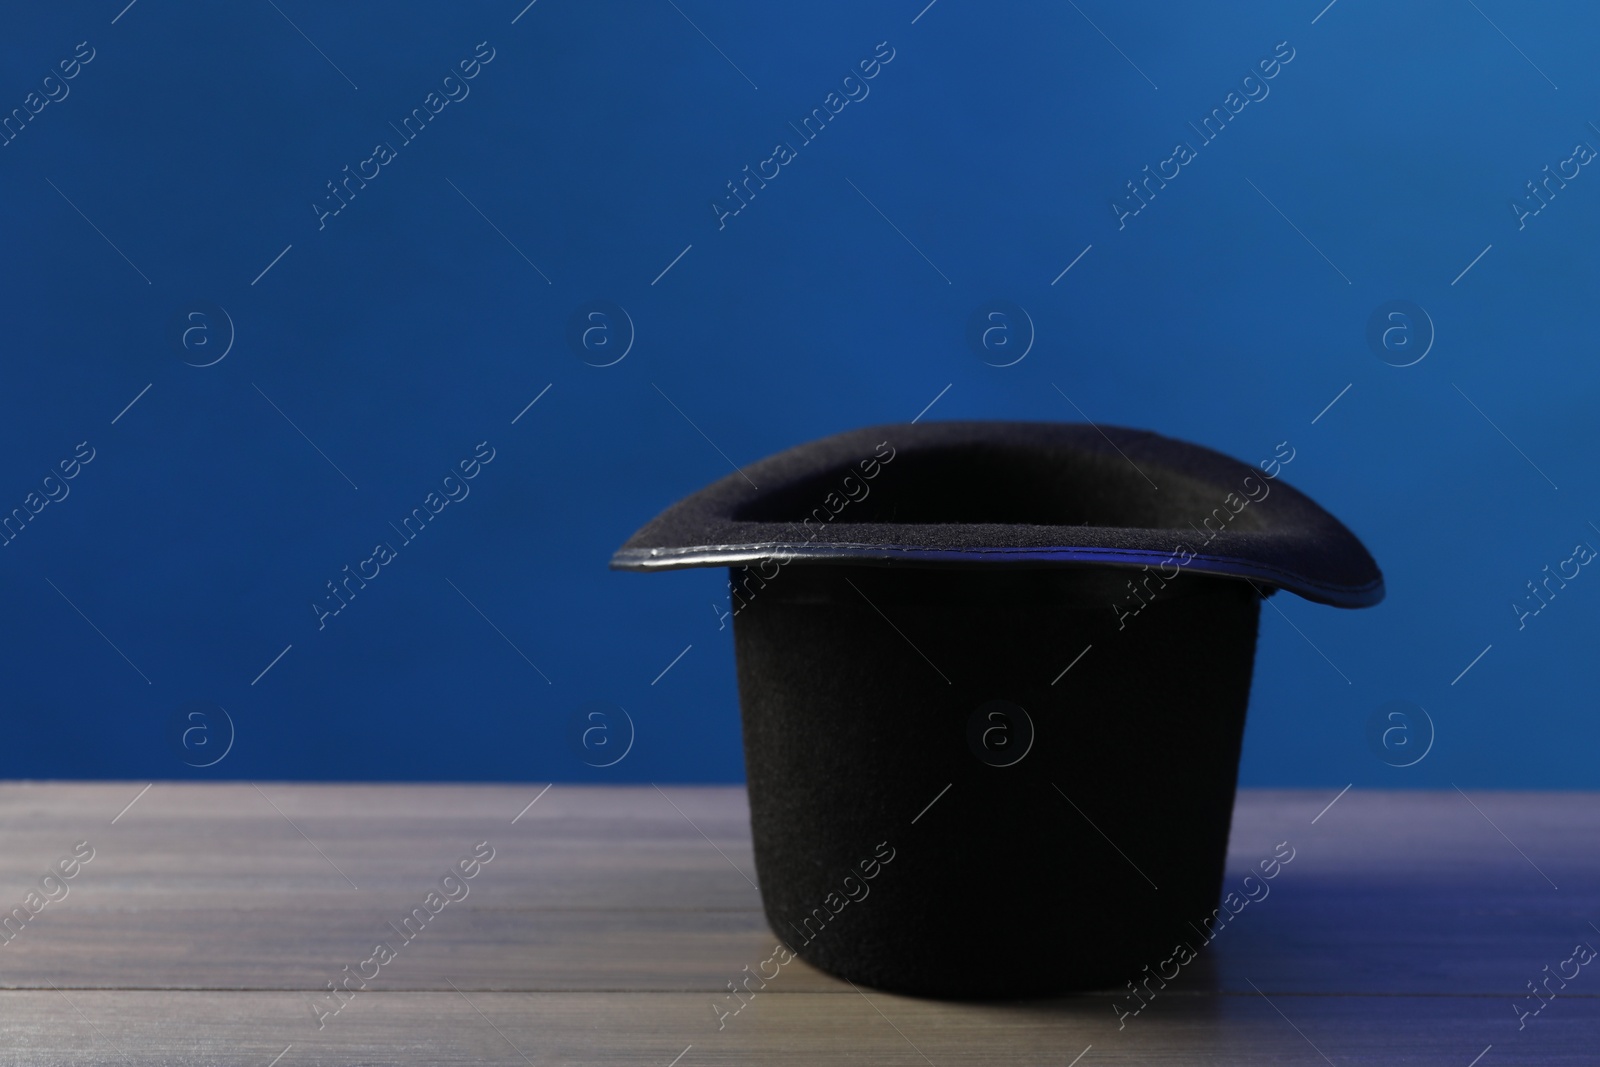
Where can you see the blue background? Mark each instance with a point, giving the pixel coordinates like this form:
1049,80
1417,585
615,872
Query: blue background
427,314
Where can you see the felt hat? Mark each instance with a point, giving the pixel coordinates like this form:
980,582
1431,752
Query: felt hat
993,680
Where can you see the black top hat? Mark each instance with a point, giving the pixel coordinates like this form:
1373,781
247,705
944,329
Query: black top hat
993,678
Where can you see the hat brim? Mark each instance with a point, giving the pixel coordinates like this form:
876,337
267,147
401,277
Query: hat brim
1014,494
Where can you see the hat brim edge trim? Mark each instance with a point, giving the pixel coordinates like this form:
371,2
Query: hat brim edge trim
654,559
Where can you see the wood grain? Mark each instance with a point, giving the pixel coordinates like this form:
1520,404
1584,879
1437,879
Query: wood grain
611,919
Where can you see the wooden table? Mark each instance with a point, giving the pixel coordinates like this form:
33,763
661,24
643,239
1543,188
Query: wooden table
609,922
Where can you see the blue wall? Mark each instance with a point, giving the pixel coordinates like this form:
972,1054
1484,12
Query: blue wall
174,198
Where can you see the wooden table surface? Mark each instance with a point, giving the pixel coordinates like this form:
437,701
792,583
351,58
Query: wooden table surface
609,922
